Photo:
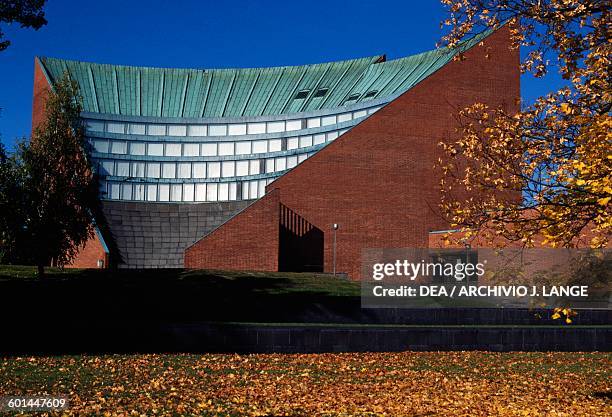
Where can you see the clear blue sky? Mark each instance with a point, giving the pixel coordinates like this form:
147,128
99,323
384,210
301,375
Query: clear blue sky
215,34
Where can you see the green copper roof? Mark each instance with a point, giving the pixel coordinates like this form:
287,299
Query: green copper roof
193,93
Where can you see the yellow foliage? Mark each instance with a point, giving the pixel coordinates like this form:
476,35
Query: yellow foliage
544,171
332,385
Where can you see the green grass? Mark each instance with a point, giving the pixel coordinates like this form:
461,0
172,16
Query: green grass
179,295
273,283
176,295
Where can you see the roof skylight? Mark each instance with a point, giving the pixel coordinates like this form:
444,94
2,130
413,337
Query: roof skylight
301,95
321,92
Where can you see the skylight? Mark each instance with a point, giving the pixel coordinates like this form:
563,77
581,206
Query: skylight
352,97
301,95
321,92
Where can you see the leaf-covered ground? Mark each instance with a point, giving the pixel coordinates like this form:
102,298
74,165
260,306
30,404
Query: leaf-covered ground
352,384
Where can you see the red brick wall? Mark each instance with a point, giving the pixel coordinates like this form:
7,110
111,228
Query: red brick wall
248,241
41,89
377,181
89,254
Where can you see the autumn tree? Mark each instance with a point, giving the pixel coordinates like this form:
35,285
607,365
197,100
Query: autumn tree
555,153
60,187
28,13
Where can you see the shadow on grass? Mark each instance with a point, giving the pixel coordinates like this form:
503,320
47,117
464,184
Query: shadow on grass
171,294
168,309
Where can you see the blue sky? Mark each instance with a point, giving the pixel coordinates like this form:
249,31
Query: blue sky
215,34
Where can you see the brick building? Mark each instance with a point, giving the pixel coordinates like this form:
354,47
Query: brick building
285,168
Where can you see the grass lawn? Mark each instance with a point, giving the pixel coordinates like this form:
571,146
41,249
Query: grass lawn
181,295
370,384
190,295
267,282
173,294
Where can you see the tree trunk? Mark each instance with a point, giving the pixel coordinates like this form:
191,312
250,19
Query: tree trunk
41,271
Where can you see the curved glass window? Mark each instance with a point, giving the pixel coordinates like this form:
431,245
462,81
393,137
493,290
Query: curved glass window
305,141
122,169
256,128
137,148
214,169
209,149
199,170
118,147
137,129
191,149
243,148
168,171
153,170
112,127
260,146
107,167
242,168
155,149
275,127
226,148
163,192
211,192
188,192
184,170
94,125
275,145
217,130
156,130
237,129
151,192
100,146
138,169
328,120
200,192
173,149
197,130
177,130
176,192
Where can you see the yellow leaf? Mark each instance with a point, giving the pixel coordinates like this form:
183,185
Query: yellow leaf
565,108
603,201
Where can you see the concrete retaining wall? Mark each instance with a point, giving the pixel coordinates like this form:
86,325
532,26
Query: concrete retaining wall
142,336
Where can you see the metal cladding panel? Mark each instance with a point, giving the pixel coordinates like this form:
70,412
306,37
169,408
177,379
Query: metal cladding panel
174,88
105,88
240,93
222,81
310,81
195,96
262,91
79,73
429,63
128,80
151,90
175,93
343,88
331,79
284,88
